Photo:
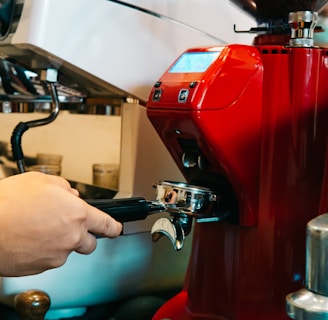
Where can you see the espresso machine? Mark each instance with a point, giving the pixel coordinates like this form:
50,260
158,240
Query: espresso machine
109,51
247,126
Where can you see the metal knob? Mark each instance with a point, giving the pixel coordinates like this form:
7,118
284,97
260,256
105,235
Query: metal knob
32,305
302,24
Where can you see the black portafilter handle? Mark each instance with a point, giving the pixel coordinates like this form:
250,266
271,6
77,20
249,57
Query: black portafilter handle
127,209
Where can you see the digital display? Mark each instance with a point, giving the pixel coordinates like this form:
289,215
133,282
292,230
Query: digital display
194,62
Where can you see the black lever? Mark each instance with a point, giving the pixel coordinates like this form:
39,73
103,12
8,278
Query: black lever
127,209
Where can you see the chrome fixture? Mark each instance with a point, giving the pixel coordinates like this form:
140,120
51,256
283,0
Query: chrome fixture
302,24
311,302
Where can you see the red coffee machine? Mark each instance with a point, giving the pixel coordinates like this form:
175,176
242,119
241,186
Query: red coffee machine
249,123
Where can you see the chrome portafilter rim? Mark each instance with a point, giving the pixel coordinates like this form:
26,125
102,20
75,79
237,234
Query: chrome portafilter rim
184,185
183,198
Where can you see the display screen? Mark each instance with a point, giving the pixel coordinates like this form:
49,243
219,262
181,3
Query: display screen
194,62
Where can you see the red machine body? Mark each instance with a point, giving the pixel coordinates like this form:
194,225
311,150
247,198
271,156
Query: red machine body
255,118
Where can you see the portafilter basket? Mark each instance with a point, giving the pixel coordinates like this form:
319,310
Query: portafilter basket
182,198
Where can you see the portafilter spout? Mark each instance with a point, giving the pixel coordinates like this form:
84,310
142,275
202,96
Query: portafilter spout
185,203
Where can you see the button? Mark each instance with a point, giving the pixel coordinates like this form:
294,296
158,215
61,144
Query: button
192,84
183,95
157,94
157,84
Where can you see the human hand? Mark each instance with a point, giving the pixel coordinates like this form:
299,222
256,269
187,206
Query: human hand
42,220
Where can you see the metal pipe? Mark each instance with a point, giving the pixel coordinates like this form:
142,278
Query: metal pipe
16,137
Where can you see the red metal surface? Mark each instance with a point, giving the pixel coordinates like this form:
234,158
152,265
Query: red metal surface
260,119
223,114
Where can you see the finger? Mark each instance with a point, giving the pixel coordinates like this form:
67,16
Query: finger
100,223
57,180
75,192
88,244
63,183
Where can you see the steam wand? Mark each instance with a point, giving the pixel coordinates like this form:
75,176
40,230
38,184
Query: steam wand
16,137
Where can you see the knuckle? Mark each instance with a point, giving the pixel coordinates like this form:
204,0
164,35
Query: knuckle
58,261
